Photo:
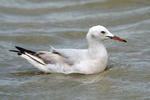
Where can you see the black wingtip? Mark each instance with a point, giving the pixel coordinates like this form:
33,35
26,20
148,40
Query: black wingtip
19,48
22,50
13,51
18,52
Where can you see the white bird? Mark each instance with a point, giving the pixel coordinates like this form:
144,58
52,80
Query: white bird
85,61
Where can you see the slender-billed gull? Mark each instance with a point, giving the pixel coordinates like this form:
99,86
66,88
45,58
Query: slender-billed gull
85,61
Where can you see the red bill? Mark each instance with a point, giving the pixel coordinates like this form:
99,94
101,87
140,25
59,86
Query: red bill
117,38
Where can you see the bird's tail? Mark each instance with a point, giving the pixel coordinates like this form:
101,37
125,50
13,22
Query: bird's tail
29,55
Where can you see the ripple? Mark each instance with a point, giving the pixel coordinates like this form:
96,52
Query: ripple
30,39
63,23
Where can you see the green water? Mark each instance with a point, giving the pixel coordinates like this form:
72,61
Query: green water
37,24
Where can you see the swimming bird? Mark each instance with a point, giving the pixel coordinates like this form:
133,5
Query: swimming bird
84,61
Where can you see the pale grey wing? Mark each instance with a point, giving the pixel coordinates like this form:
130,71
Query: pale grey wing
70,55
67,56
54,57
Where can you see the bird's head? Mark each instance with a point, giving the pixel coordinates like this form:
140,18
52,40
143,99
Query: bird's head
100,33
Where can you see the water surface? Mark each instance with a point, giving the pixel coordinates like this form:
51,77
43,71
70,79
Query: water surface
37,24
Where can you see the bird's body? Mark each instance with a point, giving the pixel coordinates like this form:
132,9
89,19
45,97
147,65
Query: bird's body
85,61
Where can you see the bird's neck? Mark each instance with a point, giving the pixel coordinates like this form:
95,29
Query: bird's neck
96,49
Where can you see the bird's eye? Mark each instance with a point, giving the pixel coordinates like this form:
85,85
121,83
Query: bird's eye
103,32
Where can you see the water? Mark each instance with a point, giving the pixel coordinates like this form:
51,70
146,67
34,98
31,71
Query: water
36,24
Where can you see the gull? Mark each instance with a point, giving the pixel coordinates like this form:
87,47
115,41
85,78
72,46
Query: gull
84,61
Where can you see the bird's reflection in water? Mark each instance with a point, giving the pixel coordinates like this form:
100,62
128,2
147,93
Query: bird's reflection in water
42,77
